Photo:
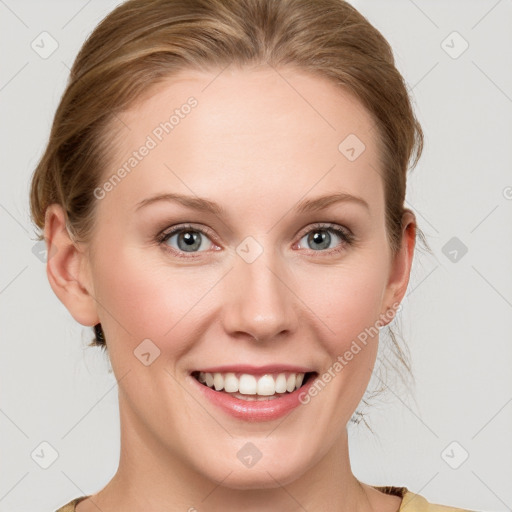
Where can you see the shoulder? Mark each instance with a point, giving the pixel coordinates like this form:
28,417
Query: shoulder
412,502
70,507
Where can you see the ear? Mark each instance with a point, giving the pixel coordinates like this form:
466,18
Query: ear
67,268
400,268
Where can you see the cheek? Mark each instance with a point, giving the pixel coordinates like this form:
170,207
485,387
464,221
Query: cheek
347,304
145,298
350,299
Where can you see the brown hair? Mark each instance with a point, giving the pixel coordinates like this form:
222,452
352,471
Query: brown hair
143,42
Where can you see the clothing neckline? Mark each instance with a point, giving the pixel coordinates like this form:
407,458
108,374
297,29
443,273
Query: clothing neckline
386,489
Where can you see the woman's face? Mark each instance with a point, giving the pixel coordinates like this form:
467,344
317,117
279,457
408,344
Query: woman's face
259,275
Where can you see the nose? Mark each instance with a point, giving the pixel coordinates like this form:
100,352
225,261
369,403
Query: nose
258,301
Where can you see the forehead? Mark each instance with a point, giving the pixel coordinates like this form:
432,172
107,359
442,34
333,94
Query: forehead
259,131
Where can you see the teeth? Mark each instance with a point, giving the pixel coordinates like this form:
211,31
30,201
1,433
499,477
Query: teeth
230,383
290,383
218,381
246,384
266,386
281,383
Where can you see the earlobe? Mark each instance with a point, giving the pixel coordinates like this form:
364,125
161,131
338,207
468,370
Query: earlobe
64,268
402,264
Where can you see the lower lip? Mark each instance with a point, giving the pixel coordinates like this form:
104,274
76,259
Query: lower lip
263,410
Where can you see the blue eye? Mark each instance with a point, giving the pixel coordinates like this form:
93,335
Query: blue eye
185,239
321,237
188,239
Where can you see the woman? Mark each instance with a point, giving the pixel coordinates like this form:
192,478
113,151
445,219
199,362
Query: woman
222,199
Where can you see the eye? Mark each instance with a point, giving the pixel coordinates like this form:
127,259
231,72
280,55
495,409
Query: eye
189,239
320,237
185,239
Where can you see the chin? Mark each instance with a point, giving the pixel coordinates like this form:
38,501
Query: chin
270,474
250,479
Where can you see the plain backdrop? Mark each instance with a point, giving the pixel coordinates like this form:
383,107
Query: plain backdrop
449,438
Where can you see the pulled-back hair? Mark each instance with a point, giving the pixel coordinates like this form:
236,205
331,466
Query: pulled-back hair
141,43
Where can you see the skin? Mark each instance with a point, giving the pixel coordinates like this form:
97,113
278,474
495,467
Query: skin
257,143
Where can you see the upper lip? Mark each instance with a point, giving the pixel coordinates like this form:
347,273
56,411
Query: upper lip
256,370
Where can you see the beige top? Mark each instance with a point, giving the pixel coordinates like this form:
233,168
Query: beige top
411,502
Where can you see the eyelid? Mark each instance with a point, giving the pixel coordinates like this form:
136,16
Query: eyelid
183,227
326,226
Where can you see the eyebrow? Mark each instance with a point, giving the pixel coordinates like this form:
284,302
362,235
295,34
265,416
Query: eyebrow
207,206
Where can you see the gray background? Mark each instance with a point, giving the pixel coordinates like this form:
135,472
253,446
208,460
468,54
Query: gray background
456,317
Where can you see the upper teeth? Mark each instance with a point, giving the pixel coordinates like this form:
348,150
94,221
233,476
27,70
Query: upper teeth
246,384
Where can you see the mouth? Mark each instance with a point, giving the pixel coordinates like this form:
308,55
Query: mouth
251,387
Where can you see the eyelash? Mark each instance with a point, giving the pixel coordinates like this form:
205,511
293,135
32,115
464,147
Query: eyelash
347,238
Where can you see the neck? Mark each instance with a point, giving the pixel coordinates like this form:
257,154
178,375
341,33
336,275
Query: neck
150,478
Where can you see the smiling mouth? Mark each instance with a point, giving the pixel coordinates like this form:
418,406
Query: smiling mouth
254,387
